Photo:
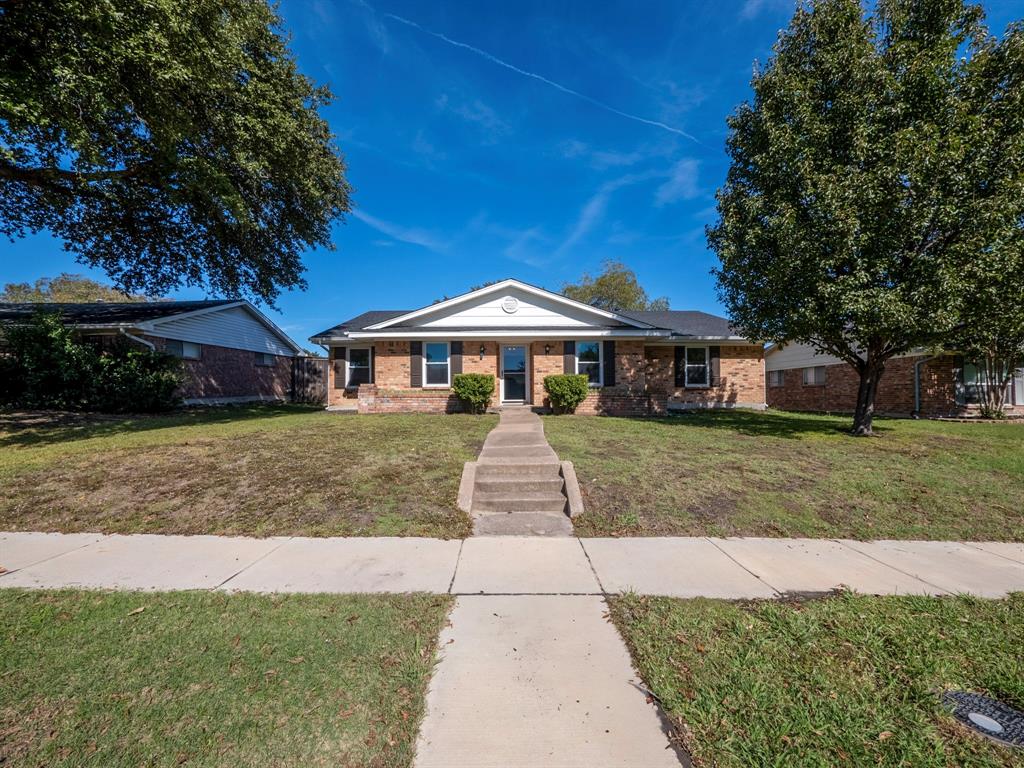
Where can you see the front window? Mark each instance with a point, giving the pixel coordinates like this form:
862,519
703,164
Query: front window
185,349
814,376
588,361
775,378
358,367
435,364
696,366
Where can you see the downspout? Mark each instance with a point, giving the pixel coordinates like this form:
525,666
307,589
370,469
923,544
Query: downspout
917,385
139,340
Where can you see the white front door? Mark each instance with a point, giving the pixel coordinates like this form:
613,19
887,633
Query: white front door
515,376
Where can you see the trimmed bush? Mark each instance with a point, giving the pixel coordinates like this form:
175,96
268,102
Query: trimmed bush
46,367
566,391
474,389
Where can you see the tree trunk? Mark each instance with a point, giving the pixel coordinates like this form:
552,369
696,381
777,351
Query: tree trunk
863,417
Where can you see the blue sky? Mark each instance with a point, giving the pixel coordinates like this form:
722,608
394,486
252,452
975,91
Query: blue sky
514,139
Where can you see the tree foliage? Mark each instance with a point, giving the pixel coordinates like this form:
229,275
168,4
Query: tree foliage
168,143
616,288
66,288
881,153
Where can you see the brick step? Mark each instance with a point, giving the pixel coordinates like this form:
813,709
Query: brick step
525,468
518,502
511,484
522,524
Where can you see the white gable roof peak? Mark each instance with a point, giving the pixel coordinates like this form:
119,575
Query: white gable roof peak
505,285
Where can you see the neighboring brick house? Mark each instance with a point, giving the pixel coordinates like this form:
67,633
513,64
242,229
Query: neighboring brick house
230,351
798,378
638,362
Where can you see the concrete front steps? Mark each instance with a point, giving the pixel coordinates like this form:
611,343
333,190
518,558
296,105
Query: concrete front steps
517,486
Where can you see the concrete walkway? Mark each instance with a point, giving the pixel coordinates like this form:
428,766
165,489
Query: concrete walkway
681,567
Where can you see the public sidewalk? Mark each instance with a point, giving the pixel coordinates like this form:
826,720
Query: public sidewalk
681,567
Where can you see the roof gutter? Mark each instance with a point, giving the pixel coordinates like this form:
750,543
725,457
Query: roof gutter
140,340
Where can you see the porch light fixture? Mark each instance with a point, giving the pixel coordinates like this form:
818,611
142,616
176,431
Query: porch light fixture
547,349
481,351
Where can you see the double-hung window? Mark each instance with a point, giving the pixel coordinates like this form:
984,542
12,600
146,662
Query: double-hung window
187,350
815,376
358,366
1018,384
975,382
588,361
776,378
264,359
697,366
435,364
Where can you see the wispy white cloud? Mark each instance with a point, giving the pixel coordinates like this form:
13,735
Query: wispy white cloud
681,183
477,113
413,235
603,159
540,78
752,8
594,209
377,31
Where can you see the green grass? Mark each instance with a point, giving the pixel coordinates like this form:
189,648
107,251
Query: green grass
843,681
786,474
260,471
201,679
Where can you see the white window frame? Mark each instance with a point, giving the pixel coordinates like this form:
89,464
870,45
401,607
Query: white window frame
198,348
448,365
600,361
686,368
263,363
348,366
777,378
809,379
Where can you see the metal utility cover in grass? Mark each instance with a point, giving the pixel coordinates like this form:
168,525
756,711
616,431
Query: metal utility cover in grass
987,716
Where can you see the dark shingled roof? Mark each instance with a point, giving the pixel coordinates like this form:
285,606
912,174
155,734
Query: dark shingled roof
686,322
107,313
680,322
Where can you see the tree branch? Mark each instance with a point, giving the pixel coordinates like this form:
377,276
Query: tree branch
46,177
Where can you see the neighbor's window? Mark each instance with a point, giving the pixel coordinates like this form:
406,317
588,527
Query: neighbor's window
776,378
435,364
1019,387
696,366
186,349
264,358
358,367
974,384
588,361
814,376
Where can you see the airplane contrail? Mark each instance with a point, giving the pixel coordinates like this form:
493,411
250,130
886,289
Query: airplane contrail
495,60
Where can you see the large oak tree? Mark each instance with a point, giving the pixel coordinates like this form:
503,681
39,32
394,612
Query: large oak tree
880,154
168,143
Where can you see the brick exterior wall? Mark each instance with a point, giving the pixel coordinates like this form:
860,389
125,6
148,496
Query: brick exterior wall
895,390
644,380
223,372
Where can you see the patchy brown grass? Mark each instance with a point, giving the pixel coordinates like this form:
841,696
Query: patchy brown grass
785,474
263,471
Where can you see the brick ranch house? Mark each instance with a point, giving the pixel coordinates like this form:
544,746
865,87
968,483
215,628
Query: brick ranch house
801,379
637,362
231,352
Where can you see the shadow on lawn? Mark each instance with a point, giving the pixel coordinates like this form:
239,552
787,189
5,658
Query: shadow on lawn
37,428
787,425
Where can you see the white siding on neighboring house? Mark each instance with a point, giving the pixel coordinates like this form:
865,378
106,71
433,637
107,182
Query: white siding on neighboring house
234,327
796,356
529,311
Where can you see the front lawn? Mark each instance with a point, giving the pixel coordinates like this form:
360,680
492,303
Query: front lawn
844,681
786,474
260,471
207,679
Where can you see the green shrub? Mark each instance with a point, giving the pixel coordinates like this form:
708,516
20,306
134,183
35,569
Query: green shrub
45,367
566,391
474,389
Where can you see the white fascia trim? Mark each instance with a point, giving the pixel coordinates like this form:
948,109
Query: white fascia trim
503,285
150,325
538,335
684,340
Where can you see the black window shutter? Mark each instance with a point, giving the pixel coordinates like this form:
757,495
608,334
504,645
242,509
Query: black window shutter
415,363
339,368
373,362
609,364
456,358
958,379
569,357
715,353
680,366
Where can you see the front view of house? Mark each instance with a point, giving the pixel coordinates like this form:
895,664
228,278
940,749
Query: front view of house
637,362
